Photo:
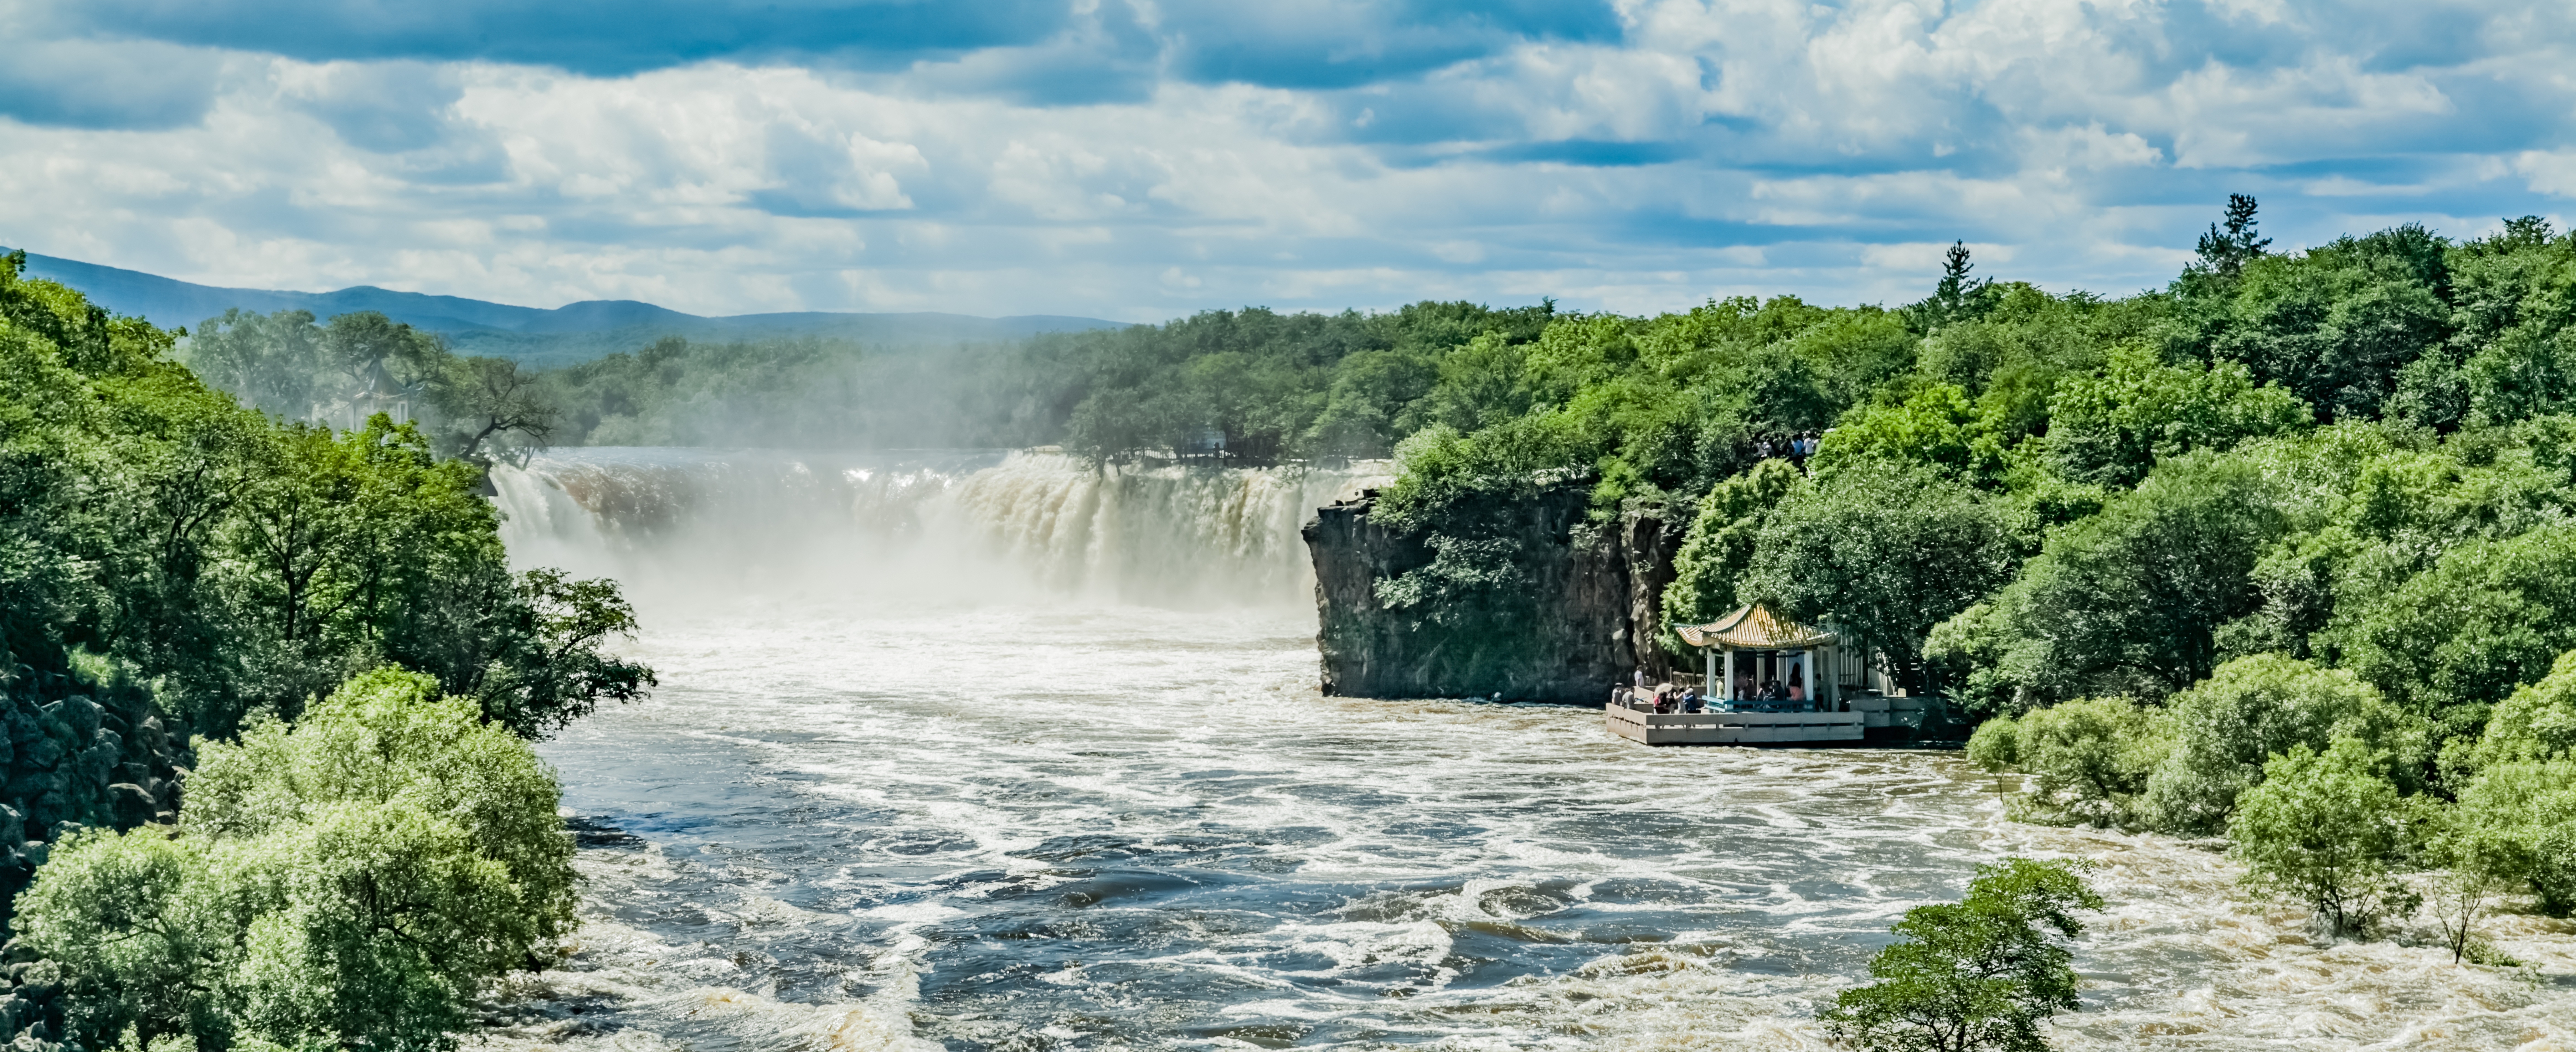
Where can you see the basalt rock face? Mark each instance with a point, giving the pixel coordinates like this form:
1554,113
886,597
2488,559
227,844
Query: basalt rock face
75,755
1649,543
1580,623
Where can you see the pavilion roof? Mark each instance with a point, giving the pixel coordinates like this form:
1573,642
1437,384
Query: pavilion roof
1754,628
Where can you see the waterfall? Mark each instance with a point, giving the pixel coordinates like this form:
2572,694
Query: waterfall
960,522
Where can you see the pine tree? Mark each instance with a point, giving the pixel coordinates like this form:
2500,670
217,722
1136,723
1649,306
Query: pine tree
2230,244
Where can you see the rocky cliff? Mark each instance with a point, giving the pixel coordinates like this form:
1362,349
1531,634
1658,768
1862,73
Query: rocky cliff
1582,621
75,755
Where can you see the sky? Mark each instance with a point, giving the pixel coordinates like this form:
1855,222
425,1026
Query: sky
1144,159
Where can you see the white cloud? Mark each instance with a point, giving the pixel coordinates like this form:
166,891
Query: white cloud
1722,146
2550,172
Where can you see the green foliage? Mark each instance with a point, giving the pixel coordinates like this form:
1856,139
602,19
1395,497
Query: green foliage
2113,426
2511,357
2130,600
1935,426
1995,747
2089,760
1982,973
363,363
2515,826
346,881
2337,324
242,565
1883,553
2450,642
2536,724
2252,709
1718,546
2225,250
2329,830
1268,385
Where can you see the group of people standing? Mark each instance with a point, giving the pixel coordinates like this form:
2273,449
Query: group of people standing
1794,447
1667,698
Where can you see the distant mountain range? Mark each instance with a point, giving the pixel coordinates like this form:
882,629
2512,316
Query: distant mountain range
570,333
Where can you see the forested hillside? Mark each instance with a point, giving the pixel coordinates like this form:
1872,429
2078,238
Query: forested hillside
1264,385
2298,514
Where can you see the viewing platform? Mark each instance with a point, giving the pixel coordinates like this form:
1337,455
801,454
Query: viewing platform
1769,681
1735,728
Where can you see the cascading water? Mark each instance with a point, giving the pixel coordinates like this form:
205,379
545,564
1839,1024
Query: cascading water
1045,523
980,751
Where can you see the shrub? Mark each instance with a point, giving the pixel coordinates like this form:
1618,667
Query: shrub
347,882
2537,723
1981,973
2088,760
2328,830
1996,746
2516,822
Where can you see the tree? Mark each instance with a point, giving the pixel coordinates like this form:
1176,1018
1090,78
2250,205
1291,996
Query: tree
272,362
1934,426
1883,553
2112,426
2129,601
2339,325
548,668
1718,545
2515,825
2480,850
2488,617
488,397
2536,724
2226,248
2329,831
1957,297
2249,710
1978,974
380,357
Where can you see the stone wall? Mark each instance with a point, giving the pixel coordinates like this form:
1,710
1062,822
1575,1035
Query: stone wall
1585,624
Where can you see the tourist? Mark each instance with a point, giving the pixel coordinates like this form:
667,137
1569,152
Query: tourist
1692,702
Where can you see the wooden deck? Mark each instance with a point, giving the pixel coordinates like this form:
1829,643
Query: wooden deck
1734,728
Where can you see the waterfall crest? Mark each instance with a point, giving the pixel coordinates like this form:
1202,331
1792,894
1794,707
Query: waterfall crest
960,521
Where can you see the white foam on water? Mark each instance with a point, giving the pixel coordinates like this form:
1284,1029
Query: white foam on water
1042,815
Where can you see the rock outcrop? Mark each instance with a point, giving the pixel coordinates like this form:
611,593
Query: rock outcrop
76,755
1583,622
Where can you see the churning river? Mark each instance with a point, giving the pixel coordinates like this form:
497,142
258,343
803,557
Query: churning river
974,751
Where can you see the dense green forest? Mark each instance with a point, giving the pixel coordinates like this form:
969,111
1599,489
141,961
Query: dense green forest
2282,550
181,578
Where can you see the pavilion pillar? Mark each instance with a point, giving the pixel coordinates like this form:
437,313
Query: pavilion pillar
1730,675
1807,671
1708,683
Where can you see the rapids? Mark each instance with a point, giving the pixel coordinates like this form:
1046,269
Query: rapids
977,751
